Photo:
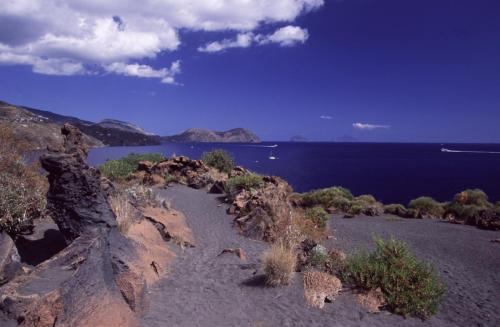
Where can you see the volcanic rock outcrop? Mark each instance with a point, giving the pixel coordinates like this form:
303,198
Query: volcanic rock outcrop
262,213
183,170
101,277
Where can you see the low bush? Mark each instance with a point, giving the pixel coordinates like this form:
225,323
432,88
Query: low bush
471,206
472,197
22,187
410,287
396,209
279,265
427,207
121,169
318,255
218,159
318,216
327,197
244,182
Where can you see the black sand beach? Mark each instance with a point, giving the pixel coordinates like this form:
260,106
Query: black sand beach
205,289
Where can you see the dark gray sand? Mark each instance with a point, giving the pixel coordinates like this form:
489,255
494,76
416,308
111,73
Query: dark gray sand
204,289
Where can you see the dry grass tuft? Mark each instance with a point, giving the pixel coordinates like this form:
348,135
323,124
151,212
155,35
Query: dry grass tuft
279,265
371,300
124,211
319,286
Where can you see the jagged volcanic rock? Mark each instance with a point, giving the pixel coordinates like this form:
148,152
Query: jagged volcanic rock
102,277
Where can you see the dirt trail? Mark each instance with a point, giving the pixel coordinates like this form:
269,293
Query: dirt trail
204,289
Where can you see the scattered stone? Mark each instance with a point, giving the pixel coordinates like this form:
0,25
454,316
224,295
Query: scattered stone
10,265
372,300
320,287
237,251
495,240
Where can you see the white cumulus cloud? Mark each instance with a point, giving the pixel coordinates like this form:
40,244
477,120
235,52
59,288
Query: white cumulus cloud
327,117
364,126
67,37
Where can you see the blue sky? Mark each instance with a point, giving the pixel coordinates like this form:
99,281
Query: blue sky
377,70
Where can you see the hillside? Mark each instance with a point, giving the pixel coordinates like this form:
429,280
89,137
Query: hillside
36,128
42,128
196,135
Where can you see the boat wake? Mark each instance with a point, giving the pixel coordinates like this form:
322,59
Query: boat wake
460,151
261,146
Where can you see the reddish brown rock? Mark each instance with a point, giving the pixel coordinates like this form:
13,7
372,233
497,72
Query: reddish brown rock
262,213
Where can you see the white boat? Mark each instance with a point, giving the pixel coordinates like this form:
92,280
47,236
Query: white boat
271,156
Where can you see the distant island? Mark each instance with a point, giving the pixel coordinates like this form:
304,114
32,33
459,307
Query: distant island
199,135
299,138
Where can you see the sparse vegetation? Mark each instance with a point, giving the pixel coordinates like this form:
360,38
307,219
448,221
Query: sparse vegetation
22,188
121,169
244,182
318,216
470,206
219,159
396,209
279,265
426,207
341,199
327,197
410,286
124,211
169,178
318,255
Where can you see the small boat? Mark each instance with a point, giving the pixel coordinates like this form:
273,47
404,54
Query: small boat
445,150
271,156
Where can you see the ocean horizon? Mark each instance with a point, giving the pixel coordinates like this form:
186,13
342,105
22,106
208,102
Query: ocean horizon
392,172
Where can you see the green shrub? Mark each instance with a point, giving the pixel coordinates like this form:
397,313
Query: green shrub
470,206
497,208
218,159
365,204
318,216
121,169
410,287
396,209
366,199
427,207
318,255
326,197
244,182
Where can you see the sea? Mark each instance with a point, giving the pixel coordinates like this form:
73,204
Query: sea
392,172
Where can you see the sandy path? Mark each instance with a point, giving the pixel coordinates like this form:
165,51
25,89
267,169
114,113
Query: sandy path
206,290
